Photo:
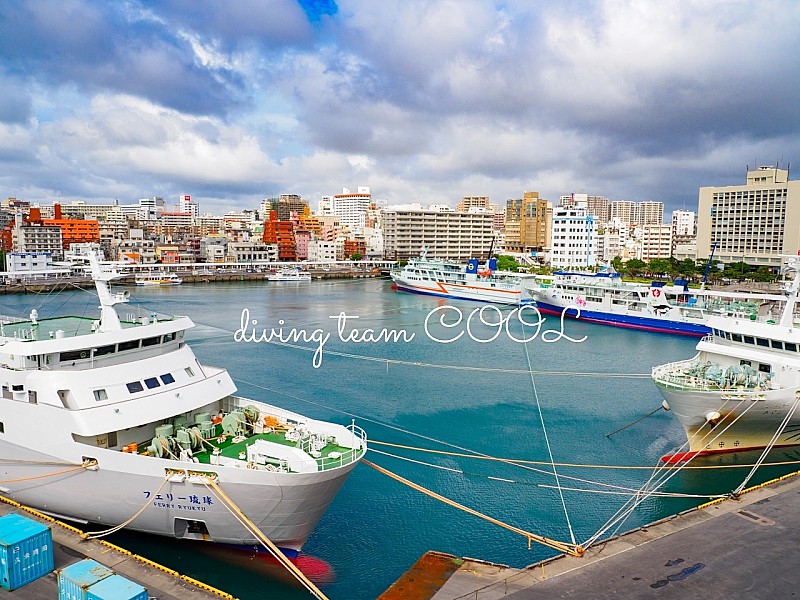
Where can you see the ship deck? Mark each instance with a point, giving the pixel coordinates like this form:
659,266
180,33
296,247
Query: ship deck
69,326
330,456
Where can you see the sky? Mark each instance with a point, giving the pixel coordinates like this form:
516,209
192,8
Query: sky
423,101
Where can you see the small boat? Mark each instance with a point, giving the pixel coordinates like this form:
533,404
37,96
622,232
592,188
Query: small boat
115,421
289,275
603,297
741,390
157,278
437,277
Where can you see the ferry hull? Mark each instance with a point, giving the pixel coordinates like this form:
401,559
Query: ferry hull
286,507
645,323
457,292
746,421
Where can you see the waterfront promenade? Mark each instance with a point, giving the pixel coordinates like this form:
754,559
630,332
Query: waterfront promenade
206,273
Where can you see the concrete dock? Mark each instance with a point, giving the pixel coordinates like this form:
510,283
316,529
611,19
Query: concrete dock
743,548
69,547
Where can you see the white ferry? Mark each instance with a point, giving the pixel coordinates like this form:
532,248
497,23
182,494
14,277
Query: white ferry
115,421
437,277
741,390
289,275
603,297
157,278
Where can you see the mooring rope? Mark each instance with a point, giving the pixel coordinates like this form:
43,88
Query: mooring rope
237,513
564,547
86,465
769,446
105,532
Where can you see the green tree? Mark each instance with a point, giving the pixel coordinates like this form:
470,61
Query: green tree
355,256
635,267
736,270
688,268
659,267
617,263
507,263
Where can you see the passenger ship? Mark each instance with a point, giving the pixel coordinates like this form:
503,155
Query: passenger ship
741,391
115,421
603,297
437,277
157,278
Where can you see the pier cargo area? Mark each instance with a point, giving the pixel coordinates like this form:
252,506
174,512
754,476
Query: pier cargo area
733,548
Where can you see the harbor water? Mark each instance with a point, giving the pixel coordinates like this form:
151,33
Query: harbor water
419,372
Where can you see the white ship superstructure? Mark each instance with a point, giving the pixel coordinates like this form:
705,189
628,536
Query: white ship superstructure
603,297
101,418
437,277
742,389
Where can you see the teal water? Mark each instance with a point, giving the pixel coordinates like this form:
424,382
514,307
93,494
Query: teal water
458,397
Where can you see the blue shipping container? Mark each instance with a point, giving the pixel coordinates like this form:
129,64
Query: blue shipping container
74,580
26,550
116,587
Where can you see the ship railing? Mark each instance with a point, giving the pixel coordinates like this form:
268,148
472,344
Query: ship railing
676,375
340,459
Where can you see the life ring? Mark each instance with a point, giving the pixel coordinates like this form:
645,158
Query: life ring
656,292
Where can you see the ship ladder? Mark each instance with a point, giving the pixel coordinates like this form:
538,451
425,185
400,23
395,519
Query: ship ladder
267,543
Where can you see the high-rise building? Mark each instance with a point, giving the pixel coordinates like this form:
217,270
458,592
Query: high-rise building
649,213
468,202
351,208
185,205
449,235
527,223
656,241
684,223
574,237
753,223
624,210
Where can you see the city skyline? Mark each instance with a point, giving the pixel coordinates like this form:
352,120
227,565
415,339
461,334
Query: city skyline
421,101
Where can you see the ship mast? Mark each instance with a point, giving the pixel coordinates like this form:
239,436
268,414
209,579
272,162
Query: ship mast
109,319
787,317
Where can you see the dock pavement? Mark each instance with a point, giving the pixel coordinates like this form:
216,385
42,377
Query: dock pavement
69,547
745,548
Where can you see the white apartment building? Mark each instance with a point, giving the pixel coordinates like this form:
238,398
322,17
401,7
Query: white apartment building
252,252
624,210
322,251
643,213
176,219
79,209
649,213
449,235
29,262
754,223
655,242
351,208
683,223
185,205
574,237
37,239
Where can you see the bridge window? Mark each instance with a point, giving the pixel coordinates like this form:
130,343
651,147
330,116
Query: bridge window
135,386
131,345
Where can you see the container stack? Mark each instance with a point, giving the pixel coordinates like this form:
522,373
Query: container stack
89,580
26,550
